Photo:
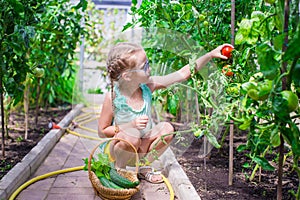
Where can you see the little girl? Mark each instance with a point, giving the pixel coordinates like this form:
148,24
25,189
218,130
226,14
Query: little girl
126,111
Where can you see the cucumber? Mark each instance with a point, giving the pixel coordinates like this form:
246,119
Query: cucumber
120,180
109,184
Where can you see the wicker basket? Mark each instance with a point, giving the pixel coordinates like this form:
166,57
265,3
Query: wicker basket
109,193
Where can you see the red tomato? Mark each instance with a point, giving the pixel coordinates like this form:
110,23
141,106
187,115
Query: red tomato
227,70
226,51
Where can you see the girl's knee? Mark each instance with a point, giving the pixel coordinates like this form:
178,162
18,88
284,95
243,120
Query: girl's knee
136,142
168,129
165,127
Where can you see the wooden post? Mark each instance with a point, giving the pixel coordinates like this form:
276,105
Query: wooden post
230,172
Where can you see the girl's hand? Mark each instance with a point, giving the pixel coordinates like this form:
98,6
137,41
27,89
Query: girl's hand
140,122
216,53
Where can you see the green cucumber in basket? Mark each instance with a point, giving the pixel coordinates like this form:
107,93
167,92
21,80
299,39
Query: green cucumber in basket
109,184
120,180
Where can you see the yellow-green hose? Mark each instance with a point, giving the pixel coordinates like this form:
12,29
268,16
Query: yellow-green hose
168,184
41,177
81,135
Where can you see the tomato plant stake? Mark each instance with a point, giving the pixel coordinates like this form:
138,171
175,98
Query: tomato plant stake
231,134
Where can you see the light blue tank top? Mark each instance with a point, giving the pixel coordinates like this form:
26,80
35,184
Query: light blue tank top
124,113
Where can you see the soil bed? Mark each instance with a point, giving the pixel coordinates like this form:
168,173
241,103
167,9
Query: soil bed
16,147
211,182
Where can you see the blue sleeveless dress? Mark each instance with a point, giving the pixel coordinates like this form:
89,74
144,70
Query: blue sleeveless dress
124,113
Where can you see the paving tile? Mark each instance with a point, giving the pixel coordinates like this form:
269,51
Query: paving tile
44,169
32,195
81,173
75,182
153,191
138,196
81,190
41,185
65,144
60,153
73,161
55,160
98,198
68,196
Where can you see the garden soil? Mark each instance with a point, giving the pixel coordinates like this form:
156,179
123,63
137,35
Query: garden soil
210,180
16,147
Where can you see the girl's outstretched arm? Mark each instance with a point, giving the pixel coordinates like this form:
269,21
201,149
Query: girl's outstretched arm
157,82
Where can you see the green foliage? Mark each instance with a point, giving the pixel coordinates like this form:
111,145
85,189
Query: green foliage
39,34
100,166
53,49
17,21
266,47
94,38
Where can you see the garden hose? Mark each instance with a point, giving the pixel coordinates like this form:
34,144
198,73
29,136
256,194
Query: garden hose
82,119
41,177
81,135
169,186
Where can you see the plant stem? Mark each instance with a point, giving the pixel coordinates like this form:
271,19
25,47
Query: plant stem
280,168
284,87
199,93
37,102
2,113
257,165
26,105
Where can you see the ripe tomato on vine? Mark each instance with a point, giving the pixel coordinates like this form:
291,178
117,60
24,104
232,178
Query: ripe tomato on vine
226,51
227,70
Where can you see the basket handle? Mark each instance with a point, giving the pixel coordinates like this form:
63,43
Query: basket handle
118,139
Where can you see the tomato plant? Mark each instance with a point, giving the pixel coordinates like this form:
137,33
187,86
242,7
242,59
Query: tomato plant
269,103
37,48
263,68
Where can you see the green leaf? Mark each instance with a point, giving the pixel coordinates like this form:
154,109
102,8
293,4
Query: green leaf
296,75
245,26
134,2
82,4
293,50
239,38
258,14
264,163
291,136
278,41
17,5
212,139
266,59
241,147
246,124
173,103
246,165
275,137
280,106
126,26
